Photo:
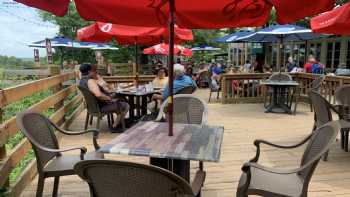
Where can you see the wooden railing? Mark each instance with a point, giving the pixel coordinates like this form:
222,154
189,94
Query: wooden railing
247,88
8,128
242,88
114,80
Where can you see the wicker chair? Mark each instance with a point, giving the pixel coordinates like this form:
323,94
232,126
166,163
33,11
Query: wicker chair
260,180
108,178
342,97
322,112
275,77
93,109
316,86
188,109
204,79
213,89
40,131
155,111
187,90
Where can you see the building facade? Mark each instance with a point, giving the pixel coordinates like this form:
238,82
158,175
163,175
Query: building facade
330,51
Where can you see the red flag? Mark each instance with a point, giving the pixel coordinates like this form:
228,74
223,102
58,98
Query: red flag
336,21
163,49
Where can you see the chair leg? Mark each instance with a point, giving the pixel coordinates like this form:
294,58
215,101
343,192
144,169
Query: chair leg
311,108
55,186
342,138
98,123
346,141
217,97
86,121
209,96
40,187
91,119
325,156
109,120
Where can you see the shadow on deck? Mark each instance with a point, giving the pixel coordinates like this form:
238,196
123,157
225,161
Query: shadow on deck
243,124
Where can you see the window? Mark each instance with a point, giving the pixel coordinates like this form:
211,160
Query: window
329,55
287,53
336,59
315,50
333,55
348,56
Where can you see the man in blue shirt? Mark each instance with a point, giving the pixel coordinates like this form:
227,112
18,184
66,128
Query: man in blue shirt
181,81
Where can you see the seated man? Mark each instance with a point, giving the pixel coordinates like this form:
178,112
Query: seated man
180,81
89,80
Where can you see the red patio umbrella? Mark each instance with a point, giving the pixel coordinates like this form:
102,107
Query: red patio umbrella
336,21
130,35
163,49
105,32
190,14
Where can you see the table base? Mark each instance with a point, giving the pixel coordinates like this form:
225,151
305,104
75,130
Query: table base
177,166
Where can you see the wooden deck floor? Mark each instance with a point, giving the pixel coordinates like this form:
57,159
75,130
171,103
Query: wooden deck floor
243,123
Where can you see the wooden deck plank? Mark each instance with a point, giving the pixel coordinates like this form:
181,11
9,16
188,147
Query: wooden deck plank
243,124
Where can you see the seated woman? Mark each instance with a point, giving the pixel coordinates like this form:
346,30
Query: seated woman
161,79
90,80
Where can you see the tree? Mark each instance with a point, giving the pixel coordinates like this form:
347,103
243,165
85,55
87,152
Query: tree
68,26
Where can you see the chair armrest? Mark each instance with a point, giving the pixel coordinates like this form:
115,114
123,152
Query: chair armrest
95,133
82,149
258,142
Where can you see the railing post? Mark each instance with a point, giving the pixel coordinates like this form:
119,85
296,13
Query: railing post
223,89
55,70
3,147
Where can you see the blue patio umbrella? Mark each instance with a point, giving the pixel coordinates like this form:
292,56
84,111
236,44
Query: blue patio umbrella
205,48
235,37
281,34
57,41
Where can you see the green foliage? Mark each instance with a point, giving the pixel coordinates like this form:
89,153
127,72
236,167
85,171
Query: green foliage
13,62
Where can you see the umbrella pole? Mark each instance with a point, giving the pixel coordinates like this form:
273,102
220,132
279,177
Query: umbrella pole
281,48
171,65
136,67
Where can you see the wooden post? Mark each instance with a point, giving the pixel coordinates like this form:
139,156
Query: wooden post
223,89
3,148
55,70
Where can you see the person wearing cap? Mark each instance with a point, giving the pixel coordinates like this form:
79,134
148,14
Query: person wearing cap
181,81
89,80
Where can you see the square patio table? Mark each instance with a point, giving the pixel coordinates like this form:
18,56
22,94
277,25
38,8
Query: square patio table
150,139
279,89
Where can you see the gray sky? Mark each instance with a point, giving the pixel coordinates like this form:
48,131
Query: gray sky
20,25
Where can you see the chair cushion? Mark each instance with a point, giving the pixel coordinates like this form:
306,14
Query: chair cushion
270,184
63,165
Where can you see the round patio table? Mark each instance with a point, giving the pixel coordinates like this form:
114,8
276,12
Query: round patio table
279,95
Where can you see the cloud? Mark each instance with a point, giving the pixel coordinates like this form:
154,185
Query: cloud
20,25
